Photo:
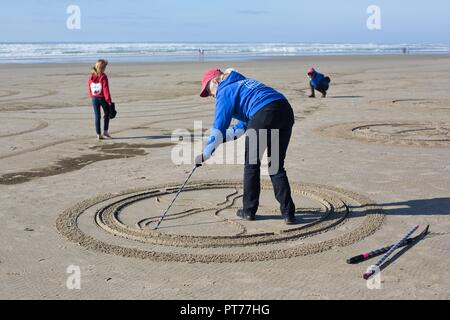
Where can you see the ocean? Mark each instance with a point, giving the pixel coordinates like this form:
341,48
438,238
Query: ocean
167,52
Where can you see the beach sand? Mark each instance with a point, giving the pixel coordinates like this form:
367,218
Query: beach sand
370,161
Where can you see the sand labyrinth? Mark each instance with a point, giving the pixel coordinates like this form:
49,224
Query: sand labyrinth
203,228
406,134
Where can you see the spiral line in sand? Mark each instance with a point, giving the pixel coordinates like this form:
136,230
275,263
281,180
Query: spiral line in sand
420,134
238,247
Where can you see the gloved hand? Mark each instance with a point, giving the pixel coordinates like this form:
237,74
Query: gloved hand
199,160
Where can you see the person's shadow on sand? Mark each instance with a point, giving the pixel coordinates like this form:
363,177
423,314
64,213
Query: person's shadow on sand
435,206
302,215
345,97
154,137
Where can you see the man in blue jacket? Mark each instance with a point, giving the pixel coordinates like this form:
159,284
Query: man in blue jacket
265,113
318,82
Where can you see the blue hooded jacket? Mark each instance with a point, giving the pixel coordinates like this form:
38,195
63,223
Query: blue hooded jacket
240,98
318,81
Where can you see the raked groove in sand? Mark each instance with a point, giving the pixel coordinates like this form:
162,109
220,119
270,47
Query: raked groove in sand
337,202
419,134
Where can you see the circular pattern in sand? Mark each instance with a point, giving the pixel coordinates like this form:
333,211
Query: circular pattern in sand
198,230
406,134
7,93
20,126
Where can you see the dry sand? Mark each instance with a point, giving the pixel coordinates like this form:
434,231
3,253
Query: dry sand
366,163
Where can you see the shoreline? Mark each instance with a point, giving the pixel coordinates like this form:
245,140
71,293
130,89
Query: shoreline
170,51
424,55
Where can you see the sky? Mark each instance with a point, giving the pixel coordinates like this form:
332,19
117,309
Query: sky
330,21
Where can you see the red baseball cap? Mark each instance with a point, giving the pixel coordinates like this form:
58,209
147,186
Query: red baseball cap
207,77
311,70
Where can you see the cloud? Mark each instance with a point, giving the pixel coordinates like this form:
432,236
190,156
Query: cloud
253,12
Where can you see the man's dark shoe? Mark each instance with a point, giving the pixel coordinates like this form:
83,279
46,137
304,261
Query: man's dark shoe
290,219
249,217
312,96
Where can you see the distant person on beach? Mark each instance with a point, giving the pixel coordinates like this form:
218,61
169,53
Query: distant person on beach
264,115
318,82
201,54
99,91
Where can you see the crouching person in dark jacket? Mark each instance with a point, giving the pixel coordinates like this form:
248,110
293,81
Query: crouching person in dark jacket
318,82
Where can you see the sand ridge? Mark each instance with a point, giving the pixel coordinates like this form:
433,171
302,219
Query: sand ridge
419,134
106,218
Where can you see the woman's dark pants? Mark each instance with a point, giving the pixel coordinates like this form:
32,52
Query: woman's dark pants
270,128
96,104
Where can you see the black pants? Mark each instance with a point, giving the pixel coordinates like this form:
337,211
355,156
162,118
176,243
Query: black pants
261,135
320,89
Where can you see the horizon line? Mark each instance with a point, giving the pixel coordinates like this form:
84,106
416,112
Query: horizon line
222,42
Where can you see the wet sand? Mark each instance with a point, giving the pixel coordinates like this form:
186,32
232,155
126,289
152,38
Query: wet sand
368,162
